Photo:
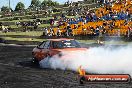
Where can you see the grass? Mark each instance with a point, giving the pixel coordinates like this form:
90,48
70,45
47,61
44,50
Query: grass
19,27
44,25
41,26
47,18
29,34
13,26
33,36
9,21
2,19
111,42
70,16
24,39
25,20
56,13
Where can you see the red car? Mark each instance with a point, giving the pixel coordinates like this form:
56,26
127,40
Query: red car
53,47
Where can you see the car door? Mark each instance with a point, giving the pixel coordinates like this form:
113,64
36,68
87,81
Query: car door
53,50
42,50
46,49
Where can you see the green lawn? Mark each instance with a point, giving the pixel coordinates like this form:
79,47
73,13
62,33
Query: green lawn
19,27
26,20
31,36
56,13
44,25
41,25
34,36
35,33
24,39
70,16
106,42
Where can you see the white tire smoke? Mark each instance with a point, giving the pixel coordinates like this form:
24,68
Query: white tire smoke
95,60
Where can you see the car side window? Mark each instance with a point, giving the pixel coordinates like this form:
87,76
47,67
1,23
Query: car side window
41,45
57,45
47,45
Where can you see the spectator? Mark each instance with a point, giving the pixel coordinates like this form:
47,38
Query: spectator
58,32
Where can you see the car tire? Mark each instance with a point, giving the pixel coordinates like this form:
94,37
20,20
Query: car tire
81,80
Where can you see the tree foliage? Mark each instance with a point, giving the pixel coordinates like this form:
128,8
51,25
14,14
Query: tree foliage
6,9
35,3
19,6
49,3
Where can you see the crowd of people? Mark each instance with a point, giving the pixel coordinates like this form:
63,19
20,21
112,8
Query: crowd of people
25,25
112,19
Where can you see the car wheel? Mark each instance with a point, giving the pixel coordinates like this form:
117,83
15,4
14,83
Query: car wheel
81,80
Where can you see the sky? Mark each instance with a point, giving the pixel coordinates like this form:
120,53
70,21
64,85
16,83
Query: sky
26,2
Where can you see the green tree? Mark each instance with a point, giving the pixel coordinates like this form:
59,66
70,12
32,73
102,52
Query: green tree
6,9
19,6
44,3
35,3
49,3
56,3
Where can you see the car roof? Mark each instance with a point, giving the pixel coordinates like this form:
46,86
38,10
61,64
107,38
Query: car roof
59,39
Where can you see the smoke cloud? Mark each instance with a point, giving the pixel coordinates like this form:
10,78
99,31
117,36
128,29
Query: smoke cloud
95,60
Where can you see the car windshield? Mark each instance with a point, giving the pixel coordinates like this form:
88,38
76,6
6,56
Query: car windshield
65,44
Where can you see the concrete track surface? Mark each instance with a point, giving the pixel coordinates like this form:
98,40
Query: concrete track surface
26,75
